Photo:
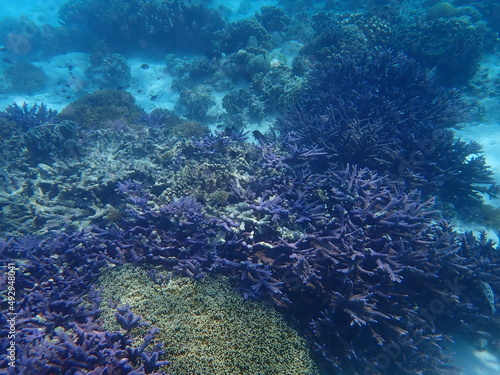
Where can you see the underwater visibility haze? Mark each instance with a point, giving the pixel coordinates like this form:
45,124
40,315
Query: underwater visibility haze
249,187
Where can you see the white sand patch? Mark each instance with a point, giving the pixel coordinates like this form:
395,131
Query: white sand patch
151,85
66,82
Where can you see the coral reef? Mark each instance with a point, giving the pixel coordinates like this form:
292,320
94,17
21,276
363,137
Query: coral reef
109,71
257,64
235,65
28,118
246,34
25,77
354,235
273,18
35,135
277,88
442,10
450,41
207,320
348,33
142,243
190,130
341,250
489,10
195,103
56,315
150,26
241,105
98,108
381,110
202,67
159,118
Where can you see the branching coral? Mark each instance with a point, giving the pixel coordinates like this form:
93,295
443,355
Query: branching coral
382,111
56,316
28,117
359,261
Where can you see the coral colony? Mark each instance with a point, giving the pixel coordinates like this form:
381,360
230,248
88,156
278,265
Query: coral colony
337,216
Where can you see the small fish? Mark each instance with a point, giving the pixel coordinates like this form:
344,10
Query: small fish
145,66
259,136
7,61
490,296
154,97
4,49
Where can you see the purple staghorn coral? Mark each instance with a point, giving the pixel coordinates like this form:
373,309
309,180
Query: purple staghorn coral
57,314
28,117
356,259
127,319
381,110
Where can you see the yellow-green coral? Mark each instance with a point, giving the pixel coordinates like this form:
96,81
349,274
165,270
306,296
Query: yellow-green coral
442,10
100,107
190,129
208,328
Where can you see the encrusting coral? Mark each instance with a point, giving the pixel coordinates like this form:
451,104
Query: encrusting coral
210,328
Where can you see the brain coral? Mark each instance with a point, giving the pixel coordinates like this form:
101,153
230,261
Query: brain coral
207,327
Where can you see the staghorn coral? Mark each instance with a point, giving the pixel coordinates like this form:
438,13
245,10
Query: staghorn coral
27,117
359,249
382,111
158,118
340,250
57,316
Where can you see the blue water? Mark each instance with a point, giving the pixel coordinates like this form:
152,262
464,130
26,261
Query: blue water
163,143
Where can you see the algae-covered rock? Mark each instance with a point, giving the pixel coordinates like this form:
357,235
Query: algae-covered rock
206,327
